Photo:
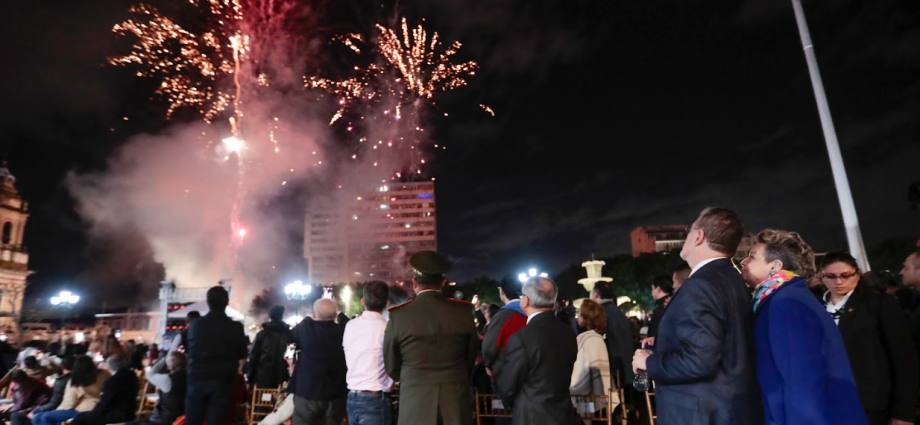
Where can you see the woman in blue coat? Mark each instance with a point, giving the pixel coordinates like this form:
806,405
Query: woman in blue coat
802,365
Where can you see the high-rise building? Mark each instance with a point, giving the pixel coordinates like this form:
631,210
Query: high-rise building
371,235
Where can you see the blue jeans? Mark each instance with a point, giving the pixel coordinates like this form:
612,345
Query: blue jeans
207,401
54,417
368,409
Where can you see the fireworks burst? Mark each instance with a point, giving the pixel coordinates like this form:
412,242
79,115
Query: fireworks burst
191,66
422,67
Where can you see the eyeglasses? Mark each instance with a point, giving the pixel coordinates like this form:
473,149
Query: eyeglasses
844,276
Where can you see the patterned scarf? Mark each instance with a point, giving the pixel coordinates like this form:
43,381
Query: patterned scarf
770,284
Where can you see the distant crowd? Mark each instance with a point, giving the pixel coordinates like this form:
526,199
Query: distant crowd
779,338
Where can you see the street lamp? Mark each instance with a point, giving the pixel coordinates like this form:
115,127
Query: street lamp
297,290
65,300
532,272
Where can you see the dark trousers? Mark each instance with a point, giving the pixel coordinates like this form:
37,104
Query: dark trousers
317,412
93,418
19,418
208,401
369,409
877,418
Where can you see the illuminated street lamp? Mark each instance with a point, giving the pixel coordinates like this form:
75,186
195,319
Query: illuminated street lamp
532,272
297,290
65,300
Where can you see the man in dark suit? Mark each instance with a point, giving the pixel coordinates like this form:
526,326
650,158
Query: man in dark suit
216,344
320,391
619,337
703,363
429,346
534,382
118,399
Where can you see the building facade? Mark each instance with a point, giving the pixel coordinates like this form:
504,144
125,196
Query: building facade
661,238
14,258
664,238
370,235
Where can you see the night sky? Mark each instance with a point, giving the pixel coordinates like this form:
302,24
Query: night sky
609,115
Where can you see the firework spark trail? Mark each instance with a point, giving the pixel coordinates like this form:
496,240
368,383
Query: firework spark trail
423,69
413,69
193,68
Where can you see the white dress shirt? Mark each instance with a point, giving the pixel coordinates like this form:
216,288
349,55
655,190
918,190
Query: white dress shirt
363,344
703,263
834,308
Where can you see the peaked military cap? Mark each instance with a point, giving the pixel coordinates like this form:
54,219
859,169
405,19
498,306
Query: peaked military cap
429,264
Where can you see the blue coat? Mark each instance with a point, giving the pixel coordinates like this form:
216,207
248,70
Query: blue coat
802,365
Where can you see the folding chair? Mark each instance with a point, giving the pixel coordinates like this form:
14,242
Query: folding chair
490,406
263,401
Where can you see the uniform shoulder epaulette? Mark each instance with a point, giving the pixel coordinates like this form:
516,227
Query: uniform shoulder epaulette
459,301
400,305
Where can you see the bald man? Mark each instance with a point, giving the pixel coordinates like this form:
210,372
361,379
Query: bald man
320,390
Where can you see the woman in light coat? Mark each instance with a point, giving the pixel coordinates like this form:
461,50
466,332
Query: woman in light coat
591,374
81,394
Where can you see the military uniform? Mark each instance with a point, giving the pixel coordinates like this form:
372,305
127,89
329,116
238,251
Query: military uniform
430,346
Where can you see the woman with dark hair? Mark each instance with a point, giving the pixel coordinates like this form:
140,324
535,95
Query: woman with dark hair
81,394
802,366
591,373
119,395
877,338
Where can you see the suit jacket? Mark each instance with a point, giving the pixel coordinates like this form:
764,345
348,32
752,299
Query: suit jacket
534,381
429,346
877,339
321,368
804,373
57,395
118,398
704,356
620,345
216,344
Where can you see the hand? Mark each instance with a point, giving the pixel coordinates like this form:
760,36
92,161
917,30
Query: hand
649,342
489,372
476,302
6,407
31,415
639,360
900,422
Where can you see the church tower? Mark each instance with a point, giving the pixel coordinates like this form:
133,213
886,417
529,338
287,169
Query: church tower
14,258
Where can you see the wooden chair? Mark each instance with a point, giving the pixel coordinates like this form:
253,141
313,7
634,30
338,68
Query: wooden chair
263,401
623,418
147,399
490,406
649,397
594,408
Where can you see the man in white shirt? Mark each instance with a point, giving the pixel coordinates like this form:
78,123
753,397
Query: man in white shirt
368,383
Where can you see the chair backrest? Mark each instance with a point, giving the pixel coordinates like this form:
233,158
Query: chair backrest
649,397
593,408
490,406
263,401
142,406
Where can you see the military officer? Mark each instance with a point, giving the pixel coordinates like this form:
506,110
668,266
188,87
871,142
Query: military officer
430,346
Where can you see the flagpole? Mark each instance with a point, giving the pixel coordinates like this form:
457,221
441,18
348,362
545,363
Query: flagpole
847,207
